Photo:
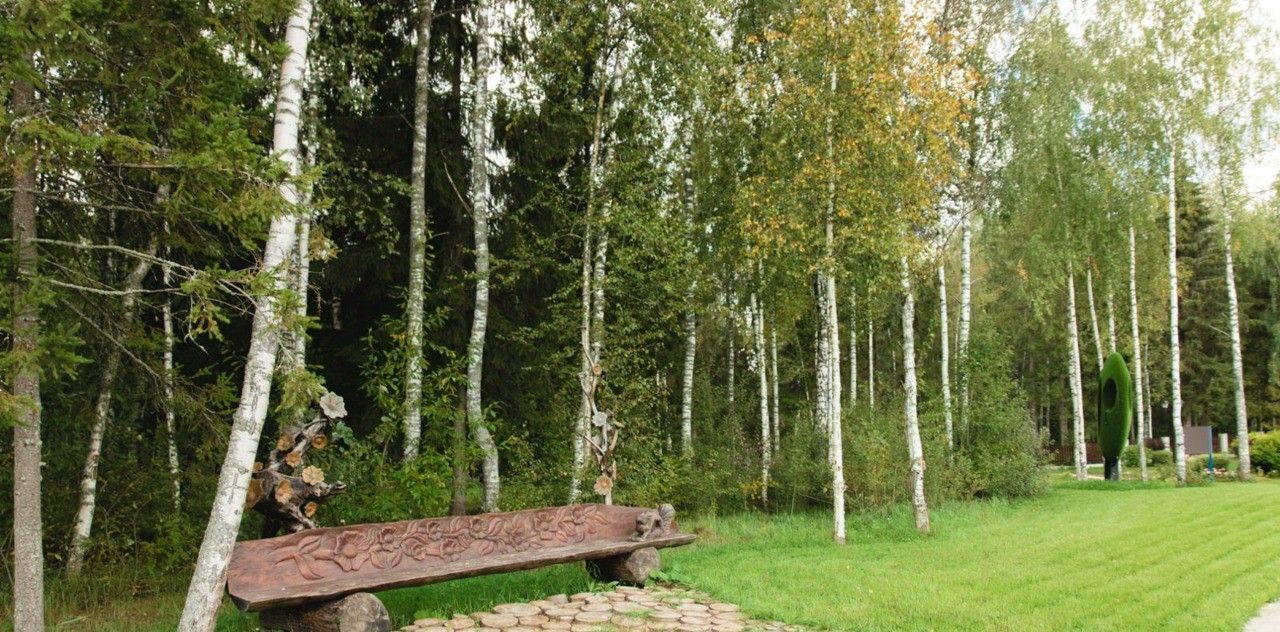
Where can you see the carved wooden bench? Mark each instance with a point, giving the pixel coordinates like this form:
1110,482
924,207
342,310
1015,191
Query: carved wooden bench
319,579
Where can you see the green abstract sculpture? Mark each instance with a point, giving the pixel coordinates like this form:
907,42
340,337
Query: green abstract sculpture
1115,412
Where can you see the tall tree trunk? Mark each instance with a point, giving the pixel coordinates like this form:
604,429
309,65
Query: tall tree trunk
204,594
733,349
836,434
1111,322
1073,371
915,451
853,347
1093,316
686,383
170,419
480,209
871,363
773,401
28,548
821,340
966,307
1244,468
1138,376
1146,384
762,369
946,357
417,235
1175,351
83,526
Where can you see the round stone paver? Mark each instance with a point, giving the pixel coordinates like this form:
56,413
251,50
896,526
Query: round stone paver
623,609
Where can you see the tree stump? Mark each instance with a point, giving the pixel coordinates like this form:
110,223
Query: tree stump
361,612
632,569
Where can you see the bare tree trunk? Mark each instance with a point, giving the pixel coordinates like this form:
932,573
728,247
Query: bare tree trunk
1146,384
773,362
1138,376
733,348
28,547
966,307
871,363
836,434
853,347
480,208
83,526
1111,322
1073,371
821,341
417,235
1175,351
946,359
583,423
1244,469
204,594
170,420
915,450
686,384
762,369
1093,315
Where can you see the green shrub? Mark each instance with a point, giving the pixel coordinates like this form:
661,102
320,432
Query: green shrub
1264,450
1160,457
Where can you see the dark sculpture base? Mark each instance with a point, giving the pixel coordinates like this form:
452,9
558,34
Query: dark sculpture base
1111,469
631,569
360,612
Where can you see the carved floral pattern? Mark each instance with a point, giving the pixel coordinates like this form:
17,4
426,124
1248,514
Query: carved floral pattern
445,539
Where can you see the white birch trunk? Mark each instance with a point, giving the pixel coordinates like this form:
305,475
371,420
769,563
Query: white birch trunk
853,347
915,450
1244,469
773,401
170,420
481,202
417,235
733,350
946,359
821,341
871,363
1073,370
1175,351
204,594
82,529
1111,323
1093,316
966,307
762,369
836,434
1138,376
1146,384
686,386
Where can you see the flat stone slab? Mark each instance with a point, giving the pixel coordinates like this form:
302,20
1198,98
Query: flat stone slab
625,609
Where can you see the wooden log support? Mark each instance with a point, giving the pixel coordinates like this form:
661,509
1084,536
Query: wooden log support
632,569
359,612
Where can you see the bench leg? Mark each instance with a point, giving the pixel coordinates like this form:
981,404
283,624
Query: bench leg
630,568
361,612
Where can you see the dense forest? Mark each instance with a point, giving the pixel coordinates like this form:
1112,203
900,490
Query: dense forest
728,254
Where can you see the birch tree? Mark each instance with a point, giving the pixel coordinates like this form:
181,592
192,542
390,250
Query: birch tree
83,526
915,451
481,202
1073,372
1093,315
761,364
417,233
853,347
1244,467
1138,374
966,308
204,594
945,356
1175,353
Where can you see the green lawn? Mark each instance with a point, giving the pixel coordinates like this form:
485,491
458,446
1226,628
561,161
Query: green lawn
1084,557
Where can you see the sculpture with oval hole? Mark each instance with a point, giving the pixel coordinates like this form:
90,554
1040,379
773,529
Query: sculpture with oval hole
1115,413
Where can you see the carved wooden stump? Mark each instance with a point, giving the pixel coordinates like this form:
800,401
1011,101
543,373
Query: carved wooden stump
632,569
361,612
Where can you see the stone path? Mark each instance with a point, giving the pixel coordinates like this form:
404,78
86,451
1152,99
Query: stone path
1268,619
624,609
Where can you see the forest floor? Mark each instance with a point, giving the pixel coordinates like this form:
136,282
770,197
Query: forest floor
1086,556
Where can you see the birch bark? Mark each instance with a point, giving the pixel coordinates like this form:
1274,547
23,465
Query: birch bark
762,369
170,419
1111,323
481,202
946,357
915,451
773,401
1244,468
28,547
1093,316
417,235
1138,373
204,594
82,529
1175,351
966,306
853,348
1073,371
686,385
